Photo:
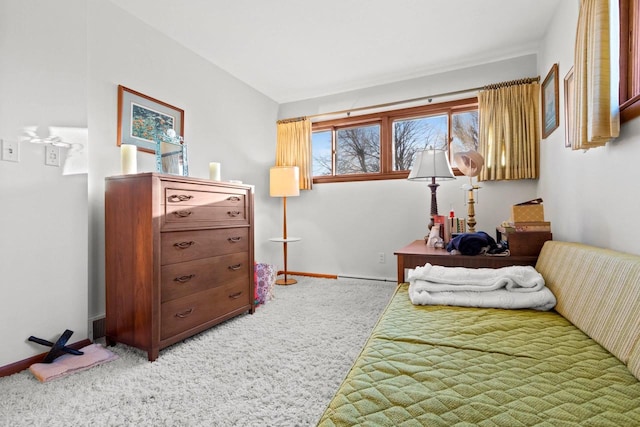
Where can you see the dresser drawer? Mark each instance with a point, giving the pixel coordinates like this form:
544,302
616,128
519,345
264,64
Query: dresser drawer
185,278
192,207
181,246
188,312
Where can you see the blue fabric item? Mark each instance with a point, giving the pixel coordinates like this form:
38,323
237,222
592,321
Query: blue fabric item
474,244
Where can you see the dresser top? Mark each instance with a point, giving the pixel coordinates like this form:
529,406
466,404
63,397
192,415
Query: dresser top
177,178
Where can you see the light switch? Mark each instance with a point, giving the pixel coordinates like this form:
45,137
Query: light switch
10,150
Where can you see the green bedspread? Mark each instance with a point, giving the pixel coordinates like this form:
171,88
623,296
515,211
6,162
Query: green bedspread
455,366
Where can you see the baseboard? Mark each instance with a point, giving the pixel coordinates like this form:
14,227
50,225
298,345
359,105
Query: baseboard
300,273
377,279
335,276
21,365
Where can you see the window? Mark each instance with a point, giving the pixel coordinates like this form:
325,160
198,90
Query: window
629,59
416,134
358,149
383,145
464,132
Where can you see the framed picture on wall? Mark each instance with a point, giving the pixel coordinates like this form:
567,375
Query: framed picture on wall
568,109
550,102
143,120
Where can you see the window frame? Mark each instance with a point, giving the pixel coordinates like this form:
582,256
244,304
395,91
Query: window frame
629,59
385,119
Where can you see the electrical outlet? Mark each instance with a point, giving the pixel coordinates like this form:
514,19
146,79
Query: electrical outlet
10,150
51,155
381,257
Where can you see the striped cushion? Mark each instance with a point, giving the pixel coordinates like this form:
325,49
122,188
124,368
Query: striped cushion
598,290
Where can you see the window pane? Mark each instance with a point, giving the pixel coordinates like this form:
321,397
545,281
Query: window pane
321,152
413,135
358,150
464,133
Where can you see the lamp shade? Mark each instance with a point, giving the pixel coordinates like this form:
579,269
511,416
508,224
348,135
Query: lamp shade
284,181
429,164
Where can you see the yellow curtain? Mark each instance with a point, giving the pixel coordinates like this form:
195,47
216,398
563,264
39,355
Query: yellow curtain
509,131
293,148
596,76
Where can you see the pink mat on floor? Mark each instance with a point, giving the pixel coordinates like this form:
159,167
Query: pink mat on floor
94,354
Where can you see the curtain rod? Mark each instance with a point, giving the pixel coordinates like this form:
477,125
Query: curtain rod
422,98
524,81
291,120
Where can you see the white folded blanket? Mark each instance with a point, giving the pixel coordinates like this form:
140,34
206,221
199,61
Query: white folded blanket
517,278
508,287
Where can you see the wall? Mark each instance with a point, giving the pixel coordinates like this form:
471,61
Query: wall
43,220
590,196
344,226
225,120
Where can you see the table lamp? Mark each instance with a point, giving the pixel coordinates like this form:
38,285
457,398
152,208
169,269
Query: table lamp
431,164
284,181
470,163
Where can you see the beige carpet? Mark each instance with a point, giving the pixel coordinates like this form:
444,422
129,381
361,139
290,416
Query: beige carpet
278,367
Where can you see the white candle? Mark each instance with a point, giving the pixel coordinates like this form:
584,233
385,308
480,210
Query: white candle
214,171
128,161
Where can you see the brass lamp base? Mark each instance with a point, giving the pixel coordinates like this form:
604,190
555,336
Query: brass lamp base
286,282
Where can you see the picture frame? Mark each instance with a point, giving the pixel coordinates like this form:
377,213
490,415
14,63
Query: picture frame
550,102
569,107
143,120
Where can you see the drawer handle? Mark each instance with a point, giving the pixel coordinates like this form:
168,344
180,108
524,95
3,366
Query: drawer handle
180,197
184,279
235,267
234,199
234,213
184,245
185,313
236,295
234,239
182,214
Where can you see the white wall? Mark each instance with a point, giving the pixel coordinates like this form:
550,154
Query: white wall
590,196
43,214
344,226
225,120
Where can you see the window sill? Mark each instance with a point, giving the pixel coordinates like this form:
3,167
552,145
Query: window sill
368,177
630,109
360,177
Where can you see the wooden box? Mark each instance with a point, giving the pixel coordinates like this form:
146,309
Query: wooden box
524,243
527,213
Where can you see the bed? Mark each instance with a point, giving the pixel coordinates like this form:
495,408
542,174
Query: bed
447,365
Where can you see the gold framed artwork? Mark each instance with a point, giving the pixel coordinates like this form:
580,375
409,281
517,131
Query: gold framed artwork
550,102
569,123
143,120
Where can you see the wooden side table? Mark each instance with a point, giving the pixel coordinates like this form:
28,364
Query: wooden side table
418,253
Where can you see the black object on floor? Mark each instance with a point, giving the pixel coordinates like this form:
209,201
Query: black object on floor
59,348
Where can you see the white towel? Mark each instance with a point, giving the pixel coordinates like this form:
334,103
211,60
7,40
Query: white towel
513,287
515,278
542,300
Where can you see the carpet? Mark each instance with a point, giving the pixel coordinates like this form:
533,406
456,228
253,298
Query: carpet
277,367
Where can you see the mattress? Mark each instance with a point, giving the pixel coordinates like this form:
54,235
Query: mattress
446,366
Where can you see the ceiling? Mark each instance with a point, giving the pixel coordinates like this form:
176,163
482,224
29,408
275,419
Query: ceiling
291,50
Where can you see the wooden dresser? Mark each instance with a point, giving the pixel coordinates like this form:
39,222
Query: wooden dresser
179,257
